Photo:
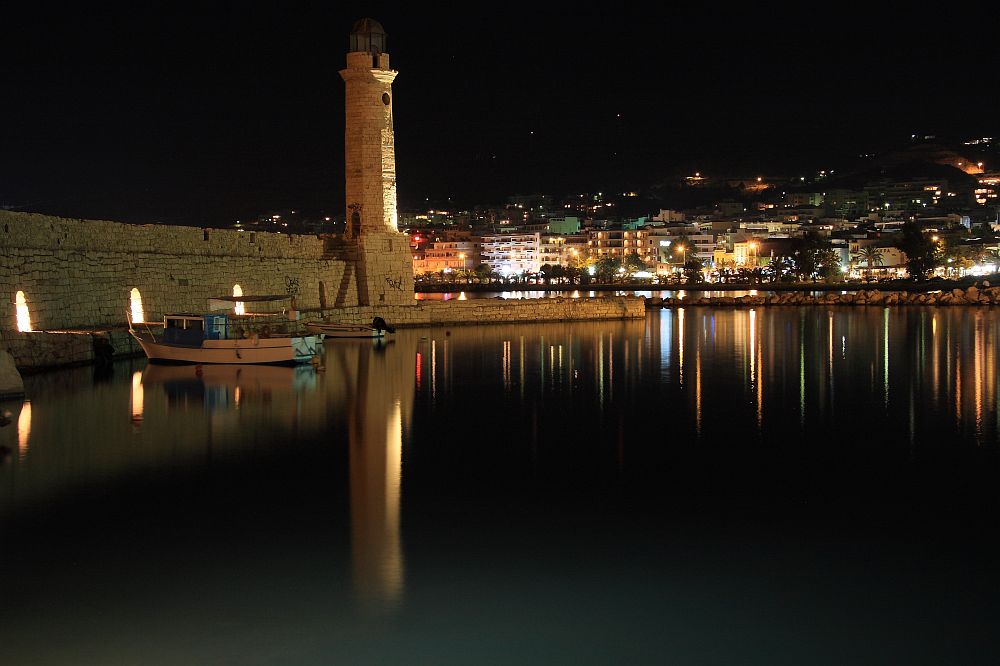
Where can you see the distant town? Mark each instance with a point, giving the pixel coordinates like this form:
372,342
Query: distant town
928,209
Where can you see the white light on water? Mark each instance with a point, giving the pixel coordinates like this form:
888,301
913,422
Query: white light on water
23,429
137,397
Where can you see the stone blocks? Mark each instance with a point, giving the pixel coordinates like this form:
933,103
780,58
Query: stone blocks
11,385
79,274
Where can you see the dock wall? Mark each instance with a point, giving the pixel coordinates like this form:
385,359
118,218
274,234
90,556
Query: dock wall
80,273
77,278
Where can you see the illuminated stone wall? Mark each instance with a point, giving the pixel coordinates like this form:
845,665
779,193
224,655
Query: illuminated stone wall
77,273
385,269
498,310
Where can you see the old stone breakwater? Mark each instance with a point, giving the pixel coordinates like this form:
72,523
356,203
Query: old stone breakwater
76,280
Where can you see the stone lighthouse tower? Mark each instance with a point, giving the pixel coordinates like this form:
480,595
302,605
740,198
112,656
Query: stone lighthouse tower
384,265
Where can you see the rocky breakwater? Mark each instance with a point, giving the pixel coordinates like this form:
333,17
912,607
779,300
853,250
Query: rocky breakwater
974,295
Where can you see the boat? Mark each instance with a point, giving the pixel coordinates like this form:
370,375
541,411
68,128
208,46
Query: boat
377,329
227,338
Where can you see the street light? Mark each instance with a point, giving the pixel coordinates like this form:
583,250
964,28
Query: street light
683,250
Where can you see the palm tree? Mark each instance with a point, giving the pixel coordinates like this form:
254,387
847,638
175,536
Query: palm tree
871,256
777,268
633,263
484,272
607,268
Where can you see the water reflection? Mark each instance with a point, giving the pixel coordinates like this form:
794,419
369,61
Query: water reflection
23,429
377,392
573,292
524,448
137,396
734,374
208,415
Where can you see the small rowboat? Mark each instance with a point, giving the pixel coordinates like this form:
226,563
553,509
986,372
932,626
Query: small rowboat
377,329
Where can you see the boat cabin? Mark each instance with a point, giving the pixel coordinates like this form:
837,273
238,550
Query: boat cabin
189,329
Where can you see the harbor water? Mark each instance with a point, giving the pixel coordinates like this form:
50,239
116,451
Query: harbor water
714,486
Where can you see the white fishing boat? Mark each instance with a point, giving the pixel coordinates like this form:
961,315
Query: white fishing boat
377,329
227,338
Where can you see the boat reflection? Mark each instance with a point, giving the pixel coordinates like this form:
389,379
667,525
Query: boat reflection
15,430
220,387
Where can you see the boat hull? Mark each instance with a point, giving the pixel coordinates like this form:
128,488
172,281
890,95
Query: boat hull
286,351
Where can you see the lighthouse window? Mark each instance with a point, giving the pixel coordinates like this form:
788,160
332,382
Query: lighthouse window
385,98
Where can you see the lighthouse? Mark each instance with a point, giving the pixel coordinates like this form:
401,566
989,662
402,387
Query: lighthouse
384,267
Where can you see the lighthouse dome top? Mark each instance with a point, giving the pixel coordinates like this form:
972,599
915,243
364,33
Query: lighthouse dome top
368,36
367,26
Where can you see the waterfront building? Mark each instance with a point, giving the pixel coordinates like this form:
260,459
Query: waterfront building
617,243
870,257
516,253
448,256
512,254
553,251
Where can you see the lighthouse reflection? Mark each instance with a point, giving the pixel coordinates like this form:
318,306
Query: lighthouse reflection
378,393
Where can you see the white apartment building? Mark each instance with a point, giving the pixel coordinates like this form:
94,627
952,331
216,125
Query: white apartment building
526,253
511,254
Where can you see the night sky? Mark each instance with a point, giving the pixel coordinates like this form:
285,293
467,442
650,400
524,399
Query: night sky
189,114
